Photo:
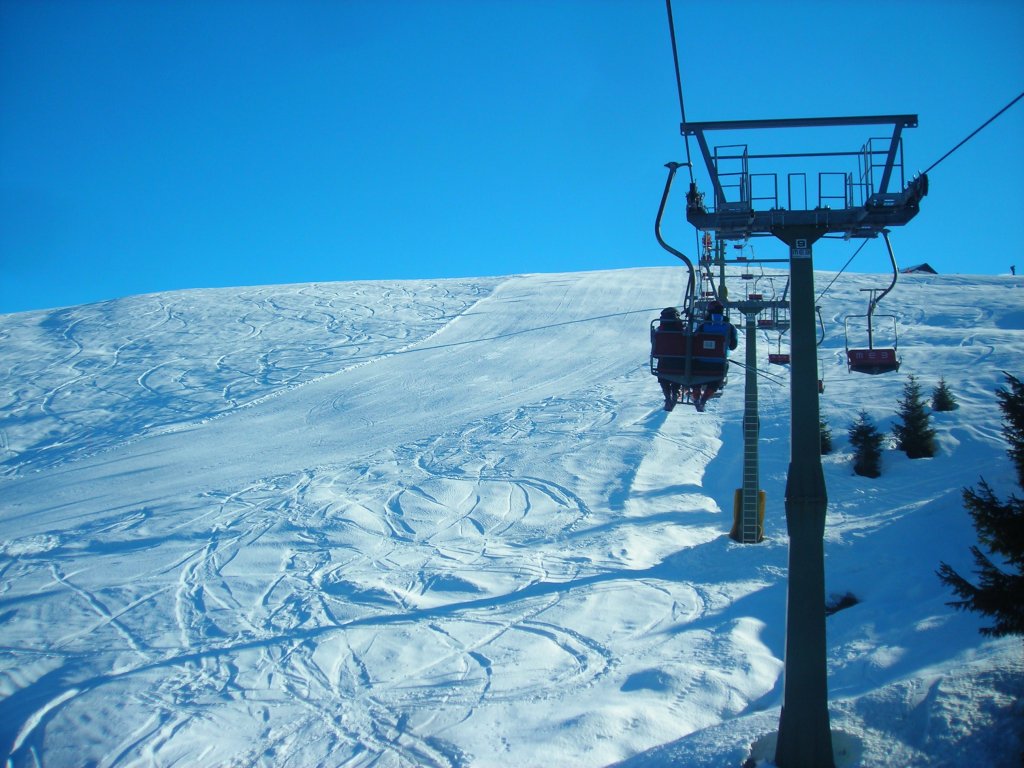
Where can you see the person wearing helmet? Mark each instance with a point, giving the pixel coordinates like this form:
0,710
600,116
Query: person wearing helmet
670,322
714,322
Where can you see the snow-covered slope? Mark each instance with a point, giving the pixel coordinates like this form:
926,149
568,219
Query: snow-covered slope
448,523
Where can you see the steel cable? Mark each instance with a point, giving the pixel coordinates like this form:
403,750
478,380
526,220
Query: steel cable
975,132
679,82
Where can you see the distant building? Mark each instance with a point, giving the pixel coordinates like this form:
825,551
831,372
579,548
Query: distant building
926,268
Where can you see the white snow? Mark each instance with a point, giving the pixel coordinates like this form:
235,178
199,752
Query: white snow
447,523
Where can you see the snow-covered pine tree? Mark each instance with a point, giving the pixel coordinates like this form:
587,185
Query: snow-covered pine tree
867,445
1000,527
826,437
942,398
1011,402
914,435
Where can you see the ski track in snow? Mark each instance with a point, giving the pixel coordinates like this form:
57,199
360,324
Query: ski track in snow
106,373
442,523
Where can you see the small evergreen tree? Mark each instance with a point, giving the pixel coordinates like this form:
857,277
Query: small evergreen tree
826,437
867,444
1012,404
942,398
914,435
1000,527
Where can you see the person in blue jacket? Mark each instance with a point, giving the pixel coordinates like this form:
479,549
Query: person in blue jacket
714,322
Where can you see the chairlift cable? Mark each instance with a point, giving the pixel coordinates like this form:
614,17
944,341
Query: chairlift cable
759,372
679,82
840,272
976,131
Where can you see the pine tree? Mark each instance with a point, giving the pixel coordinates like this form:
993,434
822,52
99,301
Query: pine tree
1012,404
1000,527
914,435
867,443
942,398
826,437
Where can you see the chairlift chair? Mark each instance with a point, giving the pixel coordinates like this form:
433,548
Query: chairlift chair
688,357
777,318
871,359
779,357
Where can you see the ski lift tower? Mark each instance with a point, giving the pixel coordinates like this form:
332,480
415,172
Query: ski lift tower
853,203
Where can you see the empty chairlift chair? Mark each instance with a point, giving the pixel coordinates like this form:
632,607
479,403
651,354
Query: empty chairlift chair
872,359
875,359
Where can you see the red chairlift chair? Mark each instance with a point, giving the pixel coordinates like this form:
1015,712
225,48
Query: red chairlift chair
689,358
871,359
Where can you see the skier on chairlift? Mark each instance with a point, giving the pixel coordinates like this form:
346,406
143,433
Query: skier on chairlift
670,321
714,322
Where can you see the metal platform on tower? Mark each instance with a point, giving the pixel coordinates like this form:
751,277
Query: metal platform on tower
853,197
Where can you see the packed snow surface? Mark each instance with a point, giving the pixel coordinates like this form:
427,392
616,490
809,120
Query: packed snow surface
448,523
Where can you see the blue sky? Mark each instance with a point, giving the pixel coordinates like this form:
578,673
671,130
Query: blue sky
149,146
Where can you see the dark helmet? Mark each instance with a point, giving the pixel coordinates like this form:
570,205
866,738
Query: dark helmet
716,308
670,313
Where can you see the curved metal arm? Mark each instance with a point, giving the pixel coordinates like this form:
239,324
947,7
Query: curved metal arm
875,299
895,275
691,281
